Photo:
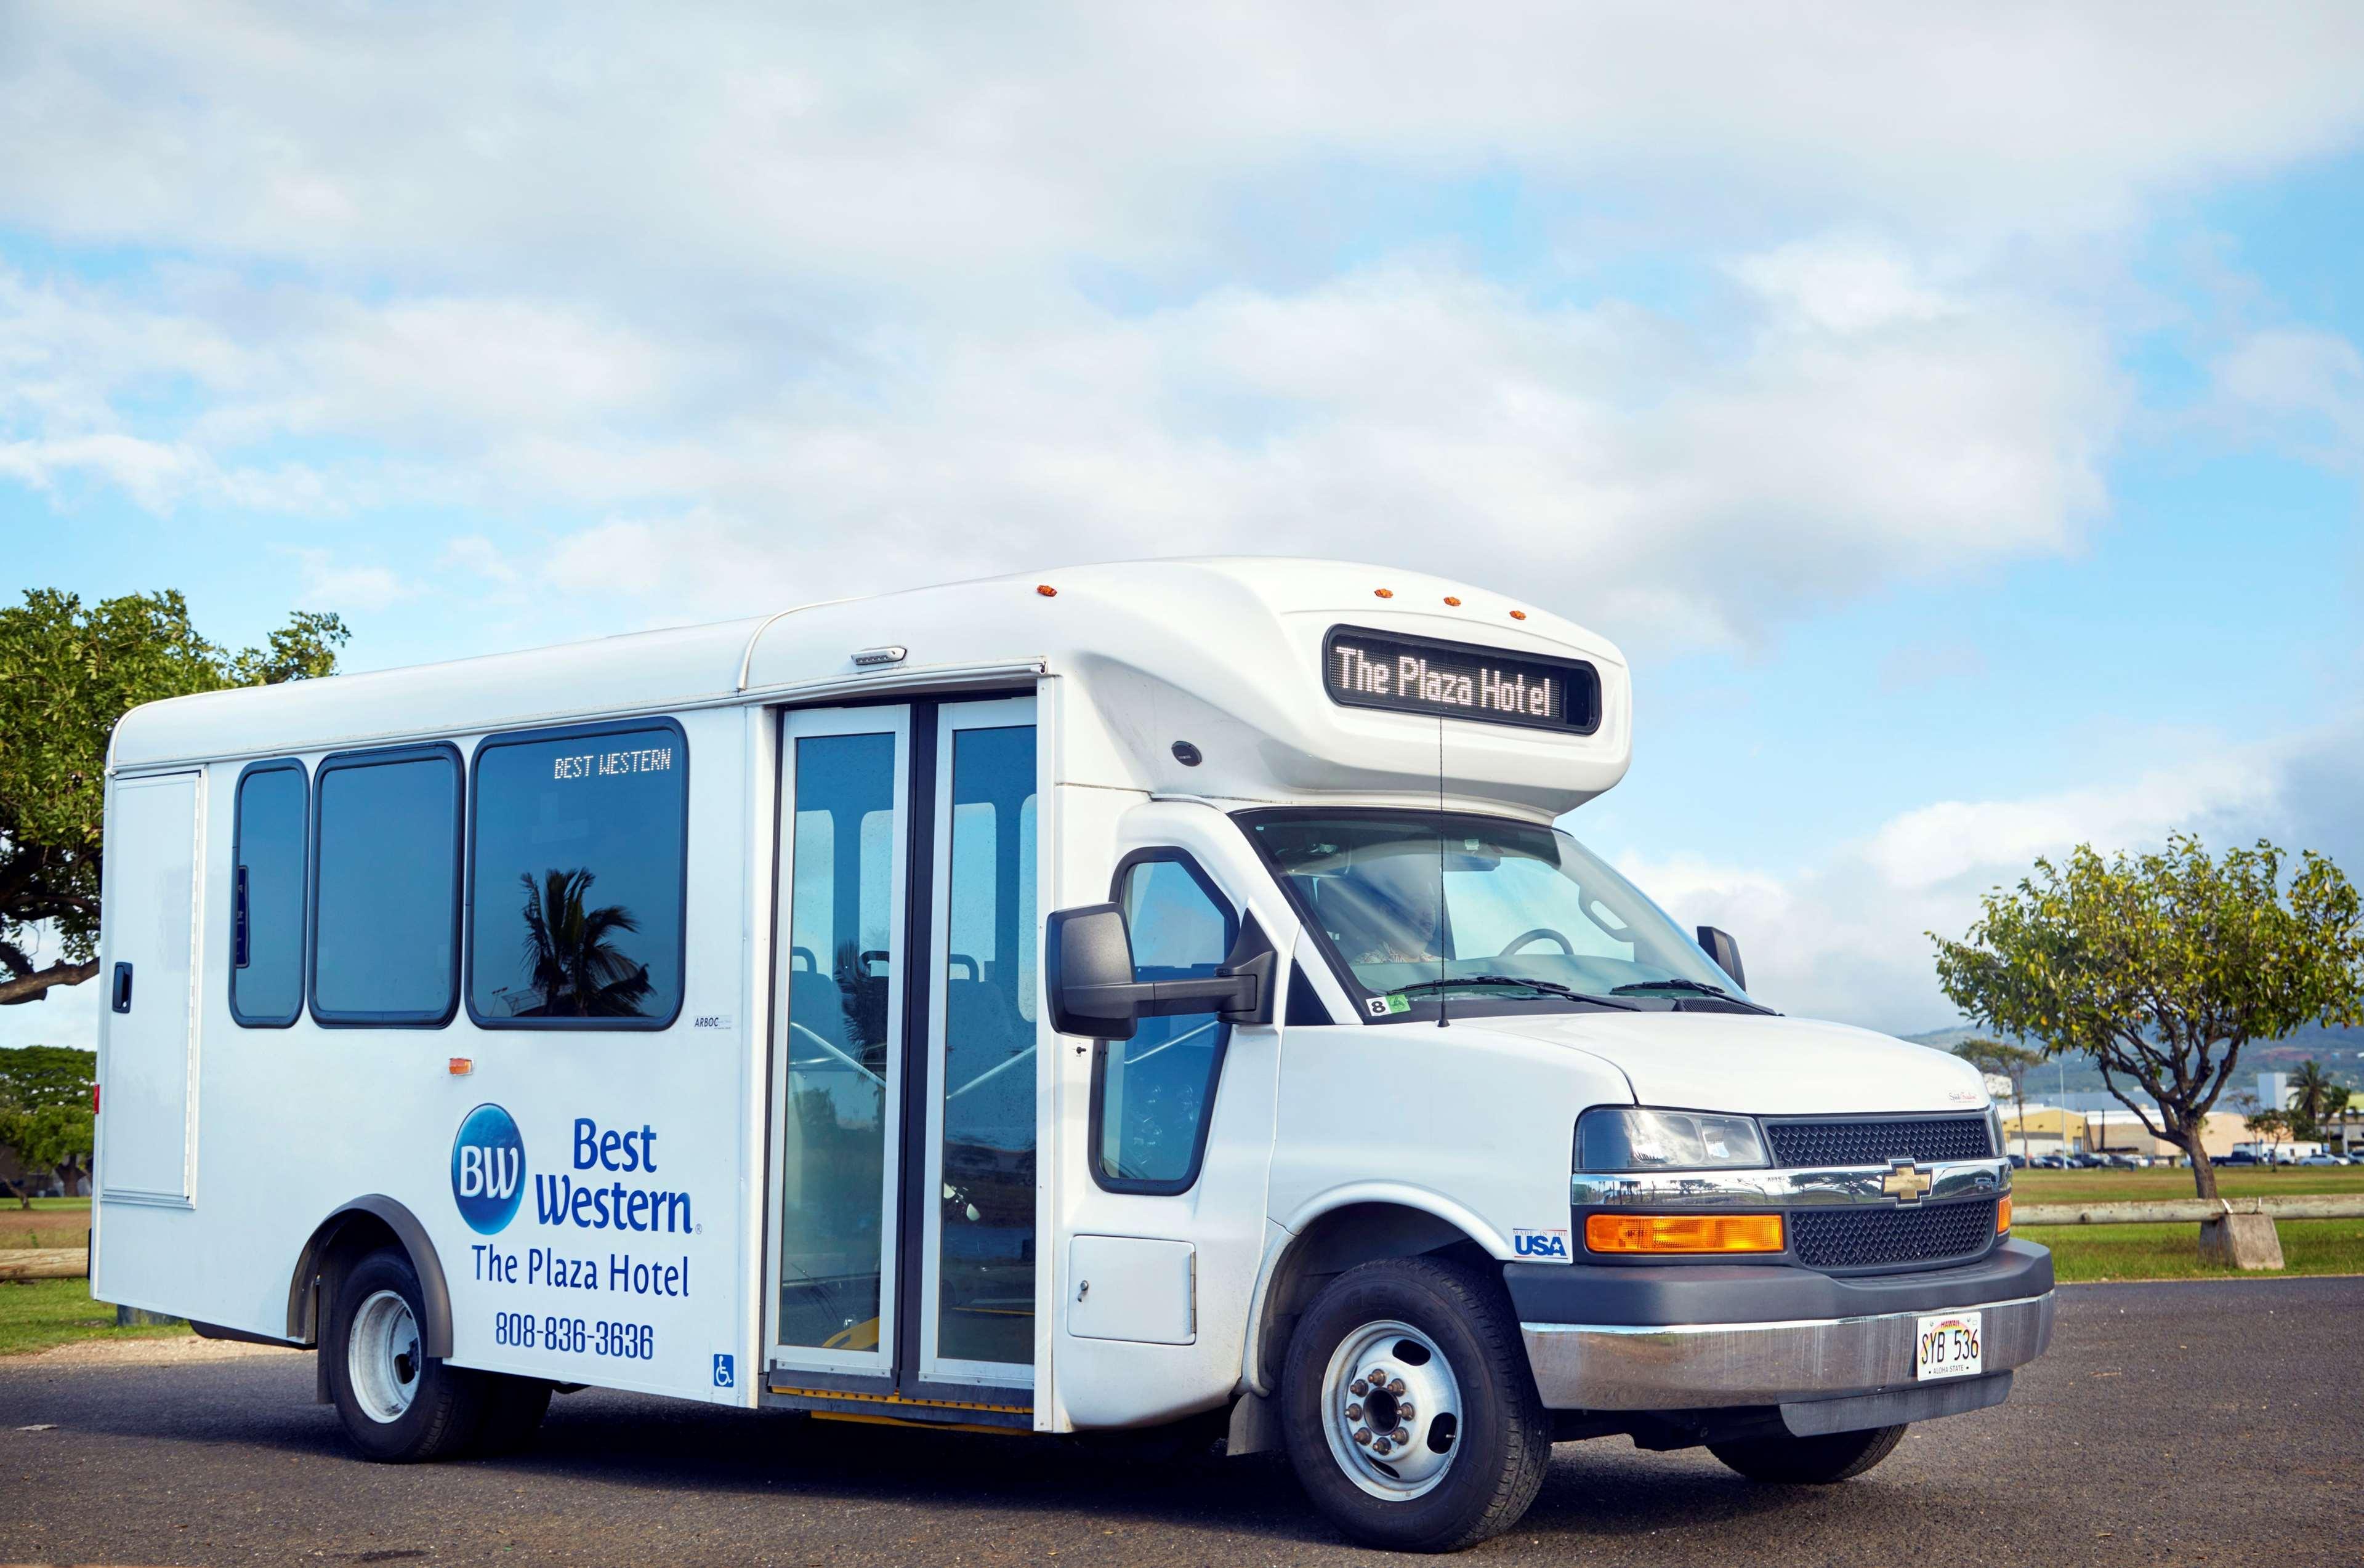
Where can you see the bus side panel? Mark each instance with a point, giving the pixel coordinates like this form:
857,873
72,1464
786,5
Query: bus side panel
621,1264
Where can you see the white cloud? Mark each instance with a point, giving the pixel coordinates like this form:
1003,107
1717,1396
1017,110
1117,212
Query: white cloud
957,143
2300,387
1847,939
1866,420
331,586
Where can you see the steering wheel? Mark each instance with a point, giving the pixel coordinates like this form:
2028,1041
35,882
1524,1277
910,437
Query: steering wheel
1539,932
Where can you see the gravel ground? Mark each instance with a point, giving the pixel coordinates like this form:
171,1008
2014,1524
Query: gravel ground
2184,1422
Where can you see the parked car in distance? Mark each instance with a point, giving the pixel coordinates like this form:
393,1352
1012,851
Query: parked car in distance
2321,1160
2018,1162
2051,1163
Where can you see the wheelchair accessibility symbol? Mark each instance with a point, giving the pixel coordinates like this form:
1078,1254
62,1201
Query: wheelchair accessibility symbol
724,1374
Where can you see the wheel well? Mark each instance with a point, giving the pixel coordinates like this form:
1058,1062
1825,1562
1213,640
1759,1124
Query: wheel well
1342,1239
366,1225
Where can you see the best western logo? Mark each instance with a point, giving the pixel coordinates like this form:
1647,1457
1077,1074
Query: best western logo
487,1169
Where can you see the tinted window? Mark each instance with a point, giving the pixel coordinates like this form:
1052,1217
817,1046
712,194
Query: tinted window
266,977
575,869
986,1261
1155,1088
385,904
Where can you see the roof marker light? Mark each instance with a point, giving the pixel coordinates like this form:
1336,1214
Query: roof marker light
460,1066
1454,602
1518,615
870,658
1385,593
1047,591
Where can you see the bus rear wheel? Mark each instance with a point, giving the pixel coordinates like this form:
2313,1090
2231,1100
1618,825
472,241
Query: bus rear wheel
399,1404
1410,1417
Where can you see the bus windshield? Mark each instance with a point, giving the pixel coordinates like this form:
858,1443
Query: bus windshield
1415,903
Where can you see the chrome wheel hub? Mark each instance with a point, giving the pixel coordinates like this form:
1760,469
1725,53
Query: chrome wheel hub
1391,1409
383,1356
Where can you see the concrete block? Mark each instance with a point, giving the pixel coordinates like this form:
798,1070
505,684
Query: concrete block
2240,1241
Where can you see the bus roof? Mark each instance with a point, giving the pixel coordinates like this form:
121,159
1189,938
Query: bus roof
1226,654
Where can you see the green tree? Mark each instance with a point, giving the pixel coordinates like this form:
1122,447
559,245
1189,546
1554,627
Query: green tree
45,1112
2315,1099
67,674
569,958
2004,1060
2162,967
2268,1128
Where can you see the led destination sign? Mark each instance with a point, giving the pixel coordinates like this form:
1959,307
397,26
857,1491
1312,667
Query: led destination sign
1419,675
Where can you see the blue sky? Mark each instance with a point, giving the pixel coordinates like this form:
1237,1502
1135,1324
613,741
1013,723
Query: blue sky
1958,420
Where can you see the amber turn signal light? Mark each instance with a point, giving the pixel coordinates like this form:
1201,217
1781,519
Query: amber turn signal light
2002,1217
1683,1232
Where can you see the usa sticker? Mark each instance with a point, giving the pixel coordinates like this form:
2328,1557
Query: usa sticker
1540,1244
1381,1006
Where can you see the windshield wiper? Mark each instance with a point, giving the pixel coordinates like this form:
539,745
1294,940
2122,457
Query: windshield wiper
1546,987
1700,987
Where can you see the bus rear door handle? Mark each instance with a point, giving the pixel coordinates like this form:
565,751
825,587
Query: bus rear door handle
122,987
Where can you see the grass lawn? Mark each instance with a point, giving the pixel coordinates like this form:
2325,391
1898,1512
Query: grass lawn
2126,1186
50,1222
2084,1252
37,1314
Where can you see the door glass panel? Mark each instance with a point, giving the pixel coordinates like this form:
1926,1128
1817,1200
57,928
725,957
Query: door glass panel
841,947
986,1258
1155,1087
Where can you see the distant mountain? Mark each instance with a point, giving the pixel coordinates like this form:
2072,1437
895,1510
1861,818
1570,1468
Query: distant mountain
2341,1052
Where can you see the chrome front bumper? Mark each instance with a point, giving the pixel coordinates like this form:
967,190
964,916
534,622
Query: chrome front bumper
1597,1366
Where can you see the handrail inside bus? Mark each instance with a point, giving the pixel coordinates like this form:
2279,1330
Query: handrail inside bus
839,1055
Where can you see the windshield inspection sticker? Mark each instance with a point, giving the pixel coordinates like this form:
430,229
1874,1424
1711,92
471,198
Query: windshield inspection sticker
1381,1006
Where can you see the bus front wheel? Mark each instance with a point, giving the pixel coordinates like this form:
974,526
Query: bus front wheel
399,1404
1411,1420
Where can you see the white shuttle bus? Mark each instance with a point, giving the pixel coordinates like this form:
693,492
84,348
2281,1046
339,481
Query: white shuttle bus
1155,993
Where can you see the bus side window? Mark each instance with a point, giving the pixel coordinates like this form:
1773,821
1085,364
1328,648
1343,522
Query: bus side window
266,945
577,861
385,887
1154,1091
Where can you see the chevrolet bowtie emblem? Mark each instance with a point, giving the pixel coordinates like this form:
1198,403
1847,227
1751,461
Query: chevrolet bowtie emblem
1905,1182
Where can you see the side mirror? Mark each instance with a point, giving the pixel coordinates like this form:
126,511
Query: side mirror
1720,946
1087,964
1088,969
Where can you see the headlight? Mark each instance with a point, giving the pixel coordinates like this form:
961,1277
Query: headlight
1623,1140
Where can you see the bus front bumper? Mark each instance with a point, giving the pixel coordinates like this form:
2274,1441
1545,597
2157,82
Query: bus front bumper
1678,1336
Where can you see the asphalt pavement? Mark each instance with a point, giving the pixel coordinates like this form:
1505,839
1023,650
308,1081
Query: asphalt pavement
2192,1422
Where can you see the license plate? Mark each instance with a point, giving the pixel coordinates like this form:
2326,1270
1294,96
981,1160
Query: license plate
1950,1344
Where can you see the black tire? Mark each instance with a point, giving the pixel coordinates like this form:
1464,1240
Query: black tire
418,1408
1810,1461
1497,1446
514,1408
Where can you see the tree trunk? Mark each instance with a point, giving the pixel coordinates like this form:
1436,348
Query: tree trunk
2203,1174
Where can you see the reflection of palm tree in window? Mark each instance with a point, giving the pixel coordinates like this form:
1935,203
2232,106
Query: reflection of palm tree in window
861,996
571,959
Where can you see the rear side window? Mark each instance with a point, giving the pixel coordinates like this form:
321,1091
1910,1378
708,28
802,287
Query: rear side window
577,883
385,891
266,976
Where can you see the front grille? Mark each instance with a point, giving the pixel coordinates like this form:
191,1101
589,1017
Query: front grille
1853,1238
1825,1145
